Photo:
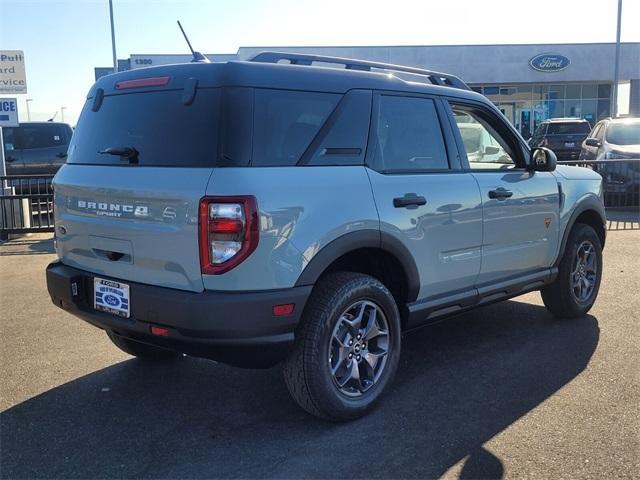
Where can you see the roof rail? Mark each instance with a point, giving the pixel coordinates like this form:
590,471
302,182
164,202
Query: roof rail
437,78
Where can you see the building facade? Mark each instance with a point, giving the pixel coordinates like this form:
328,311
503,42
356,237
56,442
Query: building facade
529,83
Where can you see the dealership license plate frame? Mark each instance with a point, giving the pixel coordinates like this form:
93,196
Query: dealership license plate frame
112,297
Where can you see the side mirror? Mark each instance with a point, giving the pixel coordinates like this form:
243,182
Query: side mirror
592,142
491,150
543,160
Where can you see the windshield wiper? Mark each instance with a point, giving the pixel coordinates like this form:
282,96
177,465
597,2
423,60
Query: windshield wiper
129,153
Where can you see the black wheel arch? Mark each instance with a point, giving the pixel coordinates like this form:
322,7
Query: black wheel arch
358,240
589,211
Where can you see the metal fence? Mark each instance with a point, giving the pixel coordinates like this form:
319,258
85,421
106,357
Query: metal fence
620,180
26,204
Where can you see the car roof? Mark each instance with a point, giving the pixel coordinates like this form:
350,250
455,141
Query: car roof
277,75
565,120
24,124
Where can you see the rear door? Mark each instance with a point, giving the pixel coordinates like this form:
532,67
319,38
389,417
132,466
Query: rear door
520,207
137,218
423,197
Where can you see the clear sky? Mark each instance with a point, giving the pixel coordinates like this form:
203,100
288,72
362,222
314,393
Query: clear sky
64,39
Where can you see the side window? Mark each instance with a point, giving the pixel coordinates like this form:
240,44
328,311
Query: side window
408,137
540,130
485,148
285,123
8,139
599,134
41,136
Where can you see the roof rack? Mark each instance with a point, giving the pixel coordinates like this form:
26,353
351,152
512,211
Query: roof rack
436,78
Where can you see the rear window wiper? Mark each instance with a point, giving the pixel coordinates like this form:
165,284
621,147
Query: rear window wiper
130,153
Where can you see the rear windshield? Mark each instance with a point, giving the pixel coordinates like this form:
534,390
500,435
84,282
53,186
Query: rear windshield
164,130
568,128
228,126
624,133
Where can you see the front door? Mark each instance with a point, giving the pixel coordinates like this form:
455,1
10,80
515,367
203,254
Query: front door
423,197
520,207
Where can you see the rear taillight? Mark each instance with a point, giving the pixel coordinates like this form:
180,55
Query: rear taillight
228,232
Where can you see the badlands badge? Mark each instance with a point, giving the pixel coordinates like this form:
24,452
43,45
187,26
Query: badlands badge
547,221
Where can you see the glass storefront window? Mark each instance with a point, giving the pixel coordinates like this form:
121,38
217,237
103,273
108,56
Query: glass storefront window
574,91
589,90
604,90
556,92
589,111
603,108
556,108
572,108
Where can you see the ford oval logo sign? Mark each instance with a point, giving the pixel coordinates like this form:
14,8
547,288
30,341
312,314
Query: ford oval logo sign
549,62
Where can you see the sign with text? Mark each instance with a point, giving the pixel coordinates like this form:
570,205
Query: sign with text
13,78
8,112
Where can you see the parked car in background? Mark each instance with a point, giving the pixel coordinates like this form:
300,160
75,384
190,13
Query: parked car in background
612,141
36,147
562,135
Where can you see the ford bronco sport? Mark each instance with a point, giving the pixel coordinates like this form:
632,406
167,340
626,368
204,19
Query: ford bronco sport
281,210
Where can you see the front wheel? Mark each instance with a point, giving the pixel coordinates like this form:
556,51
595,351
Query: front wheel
574,291
347,347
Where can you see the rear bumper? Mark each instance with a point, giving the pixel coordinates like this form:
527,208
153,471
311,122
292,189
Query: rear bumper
235,328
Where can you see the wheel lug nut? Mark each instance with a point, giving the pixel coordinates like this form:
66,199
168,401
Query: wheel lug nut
350,342
358,358
359,336
351,355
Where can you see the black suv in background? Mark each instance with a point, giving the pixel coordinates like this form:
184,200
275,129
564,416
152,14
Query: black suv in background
562,135
36,147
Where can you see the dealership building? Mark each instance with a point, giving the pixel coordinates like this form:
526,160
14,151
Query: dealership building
528,83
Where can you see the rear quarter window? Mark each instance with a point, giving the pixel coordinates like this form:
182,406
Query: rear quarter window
285,123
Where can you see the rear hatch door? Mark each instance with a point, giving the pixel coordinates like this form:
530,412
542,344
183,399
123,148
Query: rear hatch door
131,212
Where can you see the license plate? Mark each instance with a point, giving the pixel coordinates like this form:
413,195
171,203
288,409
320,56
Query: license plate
569,144
111,297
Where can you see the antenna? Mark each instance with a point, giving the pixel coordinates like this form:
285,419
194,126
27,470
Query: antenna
197,56
54,117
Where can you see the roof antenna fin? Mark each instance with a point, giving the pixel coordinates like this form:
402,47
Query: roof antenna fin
197,56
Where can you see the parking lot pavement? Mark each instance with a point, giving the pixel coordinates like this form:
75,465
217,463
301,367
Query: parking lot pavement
505,391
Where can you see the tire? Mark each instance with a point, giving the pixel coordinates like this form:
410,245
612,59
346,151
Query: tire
563,298
340,306
141,350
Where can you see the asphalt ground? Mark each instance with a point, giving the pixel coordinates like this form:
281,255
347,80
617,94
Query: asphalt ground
503,391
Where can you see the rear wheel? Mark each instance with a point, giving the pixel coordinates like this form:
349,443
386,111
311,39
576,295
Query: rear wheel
574,291
347,347
141,350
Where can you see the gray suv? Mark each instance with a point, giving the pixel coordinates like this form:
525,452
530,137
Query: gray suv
277,210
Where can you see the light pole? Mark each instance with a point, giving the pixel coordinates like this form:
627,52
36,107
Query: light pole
62,109
113,38
614,109
28,111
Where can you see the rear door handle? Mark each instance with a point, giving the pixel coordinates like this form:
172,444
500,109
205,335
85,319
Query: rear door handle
410,200
500,193
61,155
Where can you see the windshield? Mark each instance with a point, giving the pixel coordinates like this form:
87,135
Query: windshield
624,133
568,128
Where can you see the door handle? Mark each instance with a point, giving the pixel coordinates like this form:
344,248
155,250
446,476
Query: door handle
61,155
410,200
500,193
